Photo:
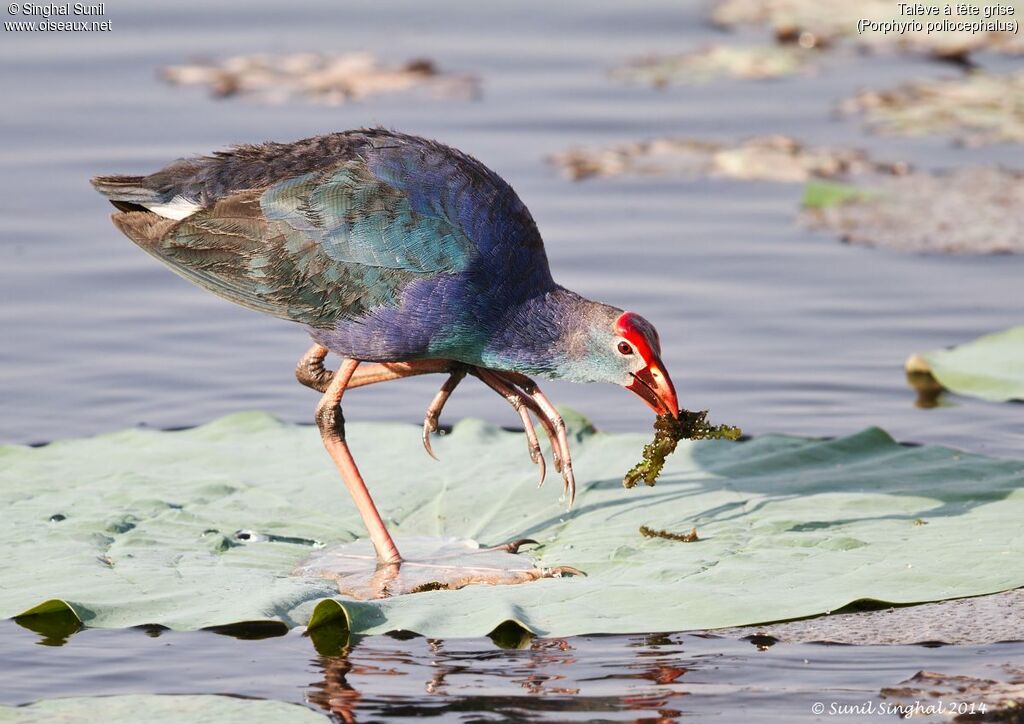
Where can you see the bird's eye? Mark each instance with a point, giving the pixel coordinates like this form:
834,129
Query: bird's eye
625,349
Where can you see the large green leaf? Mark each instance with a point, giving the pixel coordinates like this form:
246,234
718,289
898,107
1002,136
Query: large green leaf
132,708
990,367
789,527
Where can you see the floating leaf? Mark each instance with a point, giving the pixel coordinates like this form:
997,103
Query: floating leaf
967,211
990,367
511,635
976,699
132,708
980,108
327,78
823,195
715,61
765,158
329,628
54,620
777,516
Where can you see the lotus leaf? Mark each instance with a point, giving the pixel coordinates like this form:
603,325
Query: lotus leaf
990,367
202,527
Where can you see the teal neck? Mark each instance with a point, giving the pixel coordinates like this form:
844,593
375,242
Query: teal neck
548,335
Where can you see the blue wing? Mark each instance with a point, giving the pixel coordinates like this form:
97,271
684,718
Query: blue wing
297,233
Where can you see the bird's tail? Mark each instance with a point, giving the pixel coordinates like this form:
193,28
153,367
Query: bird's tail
128,193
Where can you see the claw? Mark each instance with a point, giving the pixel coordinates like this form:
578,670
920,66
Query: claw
514,546
533,444
559,571
525,397
568,478
521,404
436,405
549,415
429,427
549,428
556,456
531,440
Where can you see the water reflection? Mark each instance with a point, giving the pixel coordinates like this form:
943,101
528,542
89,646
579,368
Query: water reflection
54,629
406,676
665,677
334,694
929,391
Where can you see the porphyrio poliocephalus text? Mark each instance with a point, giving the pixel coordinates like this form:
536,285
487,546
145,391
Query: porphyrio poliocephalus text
401,255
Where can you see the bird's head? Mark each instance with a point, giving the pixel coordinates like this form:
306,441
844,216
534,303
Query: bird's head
639,347
624,348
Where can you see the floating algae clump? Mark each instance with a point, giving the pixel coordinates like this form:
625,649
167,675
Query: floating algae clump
668,431
691,537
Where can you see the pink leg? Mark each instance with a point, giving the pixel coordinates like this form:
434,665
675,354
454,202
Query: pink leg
311,372
371,374
332,429
520,391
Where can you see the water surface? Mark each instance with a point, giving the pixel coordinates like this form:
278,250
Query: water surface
772,327
654,677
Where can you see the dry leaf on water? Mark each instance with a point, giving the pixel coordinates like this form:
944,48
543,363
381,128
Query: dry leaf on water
716,61
978,109
326,78
967,211
765,158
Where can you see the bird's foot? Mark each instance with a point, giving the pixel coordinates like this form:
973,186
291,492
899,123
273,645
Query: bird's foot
518,390
430,564
525,397
437,404
552,572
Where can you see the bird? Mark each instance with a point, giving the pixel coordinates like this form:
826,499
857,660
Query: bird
402,256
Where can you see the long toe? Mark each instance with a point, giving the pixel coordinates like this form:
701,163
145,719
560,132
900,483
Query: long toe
562,572
514,546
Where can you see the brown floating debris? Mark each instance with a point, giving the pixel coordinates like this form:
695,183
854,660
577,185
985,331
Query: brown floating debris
816,23
430,586
764,158
977,109
330,78
966,211
716,61
928,693
690,537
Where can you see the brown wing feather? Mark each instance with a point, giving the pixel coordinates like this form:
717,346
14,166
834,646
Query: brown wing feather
234,251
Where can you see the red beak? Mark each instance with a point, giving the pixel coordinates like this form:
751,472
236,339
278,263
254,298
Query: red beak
655,387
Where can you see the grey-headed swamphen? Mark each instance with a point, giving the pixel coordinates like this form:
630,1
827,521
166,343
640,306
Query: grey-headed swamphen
397,252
